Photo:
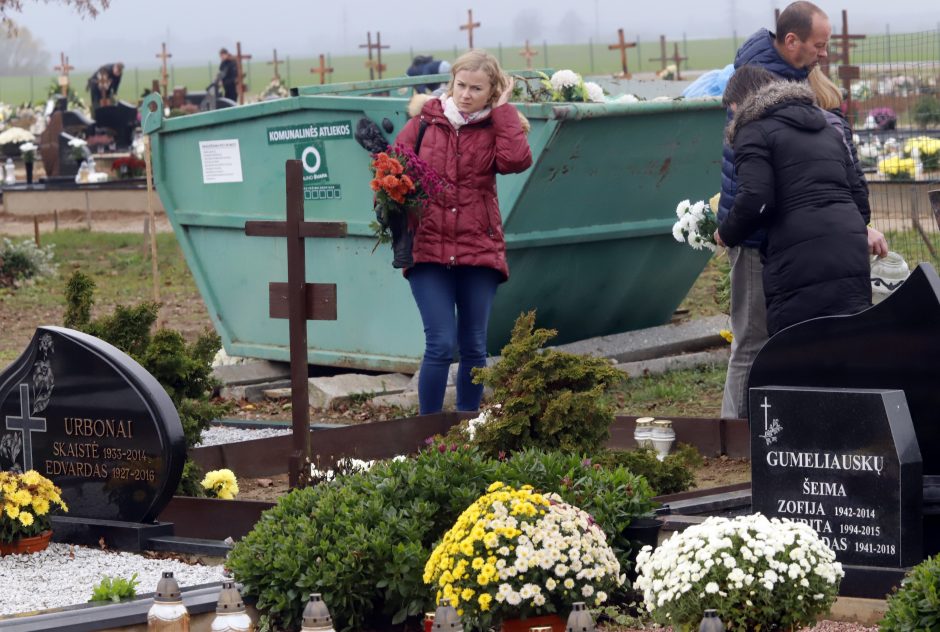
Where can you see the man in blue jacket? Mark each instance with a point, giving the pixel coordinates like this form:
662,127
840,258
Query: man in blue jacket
800,42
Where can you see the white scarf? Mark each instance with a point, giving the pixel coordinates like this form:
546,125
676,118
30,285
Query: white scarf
457,118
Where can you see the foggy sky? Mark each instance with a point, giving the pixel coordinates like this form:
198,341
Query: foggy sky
194,30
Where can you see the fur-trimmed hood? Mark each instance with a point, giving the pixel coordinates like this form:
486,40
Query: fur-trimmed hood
770,98
416,104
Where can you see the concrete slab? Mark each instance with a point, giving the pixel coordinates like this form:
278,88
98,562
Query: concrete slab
866,612
655,366
252,372
409,399
655,342
327,391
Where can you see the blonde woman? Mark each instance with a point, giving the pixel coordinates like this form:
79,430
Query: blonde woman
467,136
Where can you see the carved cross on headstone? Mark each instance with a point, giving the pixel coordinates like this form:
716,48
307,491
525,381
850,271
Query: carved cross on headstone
164,76
298,302
323,70
622,45
662,59
27,425
469,26
276,63
528,53
64,69
240,85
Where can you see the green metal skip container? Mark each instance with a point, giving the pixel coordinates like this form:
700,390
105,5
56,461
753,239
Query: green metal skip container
588,227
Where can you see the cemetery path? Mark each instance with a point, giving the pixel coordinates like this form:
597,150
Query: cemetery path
101,221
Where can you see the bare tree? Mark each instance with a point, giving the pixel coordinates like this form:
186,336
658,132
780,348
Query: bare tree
527,25
571,28
82,7
22,54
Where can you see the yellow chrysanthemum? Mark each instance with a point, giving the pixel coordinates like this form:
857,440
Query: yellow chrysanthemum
26,518
727,335
12,510
484,600
40,506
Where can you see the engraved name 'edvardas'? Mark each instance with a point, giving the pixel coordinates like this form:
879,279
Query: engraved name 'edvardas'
826,461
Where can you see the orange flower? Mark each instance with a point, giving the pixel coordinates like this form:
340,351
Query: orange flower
408,183
375,185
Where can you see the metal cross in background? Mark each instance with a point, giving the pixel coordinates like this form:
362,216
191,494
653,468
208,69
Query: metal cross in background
298,302
374,65
662,59
528,53
164,77
240,86
469,26
276,63
26,425
622,45
322,70
677,59
64,68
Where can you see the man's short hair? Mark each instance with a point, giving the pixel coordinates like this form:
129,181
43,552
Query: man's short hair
223,51
745,81
797,18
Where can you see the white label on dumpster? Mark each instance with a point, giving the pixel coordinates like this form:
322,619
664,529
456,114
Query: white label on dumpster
221,161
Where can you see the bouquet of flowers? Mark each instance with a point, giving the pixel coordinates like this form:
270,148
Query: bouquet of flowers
759,574
927,148
25,502
897,168
696,225
129,167
221,484
402,183
515,553
28,152
78,149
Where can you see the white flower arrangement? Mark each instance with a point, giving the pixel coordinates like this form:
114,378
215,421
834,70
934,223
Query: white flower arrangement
696,225
77,142
519,553
486,415
28,151
757,572
16,135
564,79
595,93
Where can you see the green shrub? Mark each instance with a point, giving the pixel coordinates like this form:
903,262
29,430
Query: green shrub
362,540
24,260
115,589
183,370
547,399
670,476
926,111
916,606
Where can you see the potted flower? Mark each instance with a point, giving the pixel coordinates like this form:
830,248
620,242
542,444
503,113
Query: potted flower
127,167
220,484
758,573
25,502
78,149
519,559
28,152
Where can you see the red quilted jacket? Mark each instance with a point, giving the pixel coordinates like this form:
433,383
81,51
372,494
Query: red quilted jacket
463,226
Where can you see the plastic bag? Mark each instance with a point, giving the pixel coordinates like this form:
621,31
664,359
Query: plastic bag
711,84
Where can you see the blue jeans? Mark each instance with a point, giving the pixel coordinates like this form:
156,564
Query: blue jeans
455,307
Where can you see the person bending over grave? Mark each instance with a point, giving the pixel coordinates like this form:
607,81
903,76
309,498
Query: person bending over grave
467,136
104,84
427,65
796,180
228,75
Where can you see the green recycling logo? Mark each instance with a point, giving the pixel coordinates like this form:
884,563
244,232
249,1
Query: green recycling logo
312,157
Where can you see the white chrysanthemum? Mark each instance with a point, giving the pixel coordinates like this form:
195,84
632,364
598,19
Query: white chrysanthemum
594,91
564,79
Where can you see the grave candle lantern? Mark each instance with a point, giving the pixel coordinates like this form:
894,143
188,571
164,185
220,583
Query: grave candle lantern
317,616
168,614
230,615
446,617
580,619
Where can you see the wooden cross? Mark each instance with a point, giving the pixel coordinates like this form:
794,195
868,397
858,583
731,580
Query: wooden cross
64,68
240,85
677,59
662,59
298,302
847,72
164,77
528,53
322,70
371,64
622,45
469,26
276,63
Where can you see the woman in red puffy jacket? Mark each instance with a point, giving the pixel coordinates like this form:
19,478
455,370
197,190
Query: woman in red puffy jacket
471,133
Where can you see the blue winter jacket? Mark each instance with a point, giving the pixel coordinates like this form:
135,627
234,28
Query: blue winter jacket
758,49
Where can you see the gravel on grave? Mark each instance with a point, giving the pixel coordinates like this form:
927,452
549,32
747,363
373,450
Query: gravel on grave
217,435
65,575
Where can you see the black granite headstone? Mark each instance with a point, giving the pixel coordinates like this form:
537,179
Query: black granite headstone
844,461
84,414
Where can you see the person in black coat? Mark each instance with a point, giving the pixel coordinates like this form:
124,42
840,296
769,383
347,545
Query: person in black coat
104,84
228,75
796,179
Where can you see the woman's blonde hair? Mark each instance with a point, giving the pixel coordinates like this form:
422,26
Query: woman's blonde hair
828,94
481,60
